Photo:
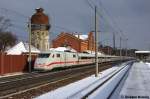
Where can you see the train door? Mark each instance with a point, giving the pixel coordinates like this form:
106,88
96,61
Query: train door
78,58
62,59
58,58
65,59
69,59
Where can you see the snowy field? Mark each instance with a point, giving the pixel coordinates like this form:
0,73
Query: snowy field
80,88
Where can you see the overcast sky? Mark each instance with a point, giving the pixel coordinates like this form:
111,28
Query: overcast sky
129,18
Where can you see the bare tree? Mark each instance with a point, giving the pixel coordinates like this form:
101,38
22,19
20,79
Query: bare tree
7,39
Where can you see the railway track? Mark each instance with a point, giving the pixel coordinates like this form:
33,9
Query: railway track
26,83
110,77
87,92
36,74
120,82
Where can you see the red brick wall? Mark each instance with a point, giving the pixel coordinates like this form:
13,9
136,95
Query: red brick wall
66,39
74,42
84,46
91,43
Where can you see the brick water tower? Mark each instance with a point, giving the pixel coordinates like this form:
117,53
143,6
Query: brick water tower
40,30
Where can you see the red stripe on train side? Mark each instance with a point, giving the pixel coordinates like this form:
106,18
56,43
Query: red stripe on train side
61,62
54,63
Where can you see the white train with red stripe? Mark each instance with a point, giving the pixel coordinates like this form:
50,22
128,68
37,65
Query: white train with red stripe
52,59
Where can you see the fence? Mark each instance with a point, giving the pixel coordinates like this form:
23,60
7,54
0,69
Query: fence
14,63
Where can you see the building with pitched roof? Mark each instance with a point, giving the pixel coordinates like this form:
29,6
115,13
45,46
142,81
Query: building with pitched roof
22,48
76,41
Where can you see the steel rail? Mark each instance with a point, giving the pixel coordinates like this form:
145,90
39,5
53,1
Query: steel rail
11,86
120,81
93,90
36,74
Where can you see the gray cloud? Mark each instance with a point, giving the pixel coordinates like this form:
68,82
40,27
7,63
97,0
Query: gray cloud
131,16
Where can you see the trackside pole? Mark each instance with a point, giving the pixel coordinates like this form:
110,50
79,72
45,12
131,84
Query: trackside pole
29,58
96,43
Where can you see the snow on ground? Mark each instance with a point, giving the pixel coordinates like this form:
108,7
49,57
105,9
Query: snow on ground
138,82
70,90
108,87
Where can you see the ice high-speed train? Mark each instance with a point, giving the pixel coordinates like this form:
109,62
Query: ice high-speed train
52,59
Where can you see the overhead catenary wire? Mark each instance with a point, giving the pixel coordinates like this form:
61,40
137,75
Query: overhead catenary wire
108,19
117,28
99,11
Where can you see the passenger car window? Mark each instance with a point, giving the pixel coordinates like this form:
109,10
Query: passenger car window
58,55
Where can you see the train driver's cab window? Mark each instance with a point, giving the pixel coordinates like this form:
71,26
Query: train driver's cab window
44,55
58,55
74,56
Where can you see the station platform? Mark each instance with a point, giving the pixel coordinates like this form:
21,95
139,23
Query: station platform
137,84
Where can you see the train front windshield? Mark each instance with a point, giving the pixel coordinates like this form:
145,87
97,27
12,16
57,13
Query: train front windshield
44,55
